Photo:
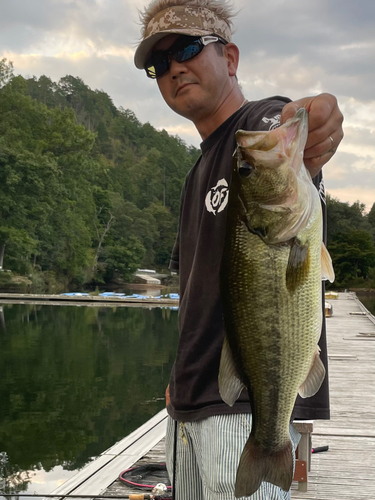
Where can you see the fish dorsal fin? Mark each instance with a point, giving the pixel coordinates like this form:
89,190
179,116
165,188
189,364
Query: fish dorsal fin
298,267
230,384
314,378
327,268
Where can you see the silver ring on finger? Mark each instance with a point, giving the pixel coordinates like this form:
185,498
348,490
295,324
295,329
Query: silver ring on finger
331,150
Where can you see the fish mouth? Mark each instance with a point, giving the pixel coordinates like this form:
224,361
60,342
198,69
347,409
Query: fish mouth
281,138
296,127
285,143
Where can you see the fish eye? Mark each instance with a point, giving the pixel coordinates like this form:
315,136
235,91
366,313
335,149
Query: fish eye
245,169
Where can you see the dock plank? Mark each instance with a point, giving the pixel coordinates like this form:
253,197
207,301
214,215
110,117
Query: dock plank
347,470
90,300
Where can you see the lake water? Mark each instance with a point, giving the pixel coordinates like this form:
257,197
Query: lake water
74,381
369,302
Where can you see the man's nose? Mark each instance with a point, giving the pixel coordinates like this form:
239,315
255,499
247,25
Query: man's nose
176,68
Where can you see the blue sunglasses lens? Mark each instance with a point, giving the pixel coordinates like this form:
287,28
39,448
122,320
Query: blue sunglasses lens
188,52
181,51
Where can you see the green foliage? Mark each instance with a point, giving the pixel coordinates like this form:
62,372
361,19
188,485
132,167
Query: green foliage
87,192
6,71
342,217
371,220
351,243
165,226
353,254
5,277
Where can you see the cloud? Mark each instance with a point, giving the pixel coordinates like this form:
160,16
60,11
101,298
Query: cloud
365,196
350,178
187,131
287,47
32,24
319,45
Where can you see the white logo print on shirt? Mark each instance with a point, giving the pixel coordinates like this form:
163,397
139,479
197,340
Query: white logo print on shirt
217,197
275,121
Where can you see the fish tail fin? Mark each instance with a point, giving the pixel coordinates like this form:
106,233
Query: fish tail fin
257,466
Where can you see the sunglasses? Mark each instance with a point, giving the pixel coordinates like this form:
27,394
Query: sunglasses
184,49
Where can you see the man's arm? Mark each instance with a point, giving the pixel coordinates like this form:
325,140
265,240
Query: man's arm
167,396
325,121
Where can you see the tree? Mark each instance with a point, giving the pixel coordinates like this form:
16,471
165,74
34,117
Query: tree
45,187
25,204
371,218
90,190
342,217
353,254
6,72
166,229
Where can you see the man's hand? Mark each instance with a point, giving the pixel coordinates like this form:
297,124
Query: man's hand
167,396
325,122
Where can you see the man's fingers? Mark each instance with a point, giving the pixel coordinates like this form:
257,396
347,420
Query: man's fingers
331,128
322,110
288,111
325,128
324,115
327,146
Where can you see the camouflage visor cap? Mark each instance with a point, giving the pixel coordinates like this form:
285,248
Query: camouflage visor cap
183,20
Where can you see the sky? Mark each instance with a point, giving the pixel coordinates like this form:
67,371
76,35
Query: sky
294,48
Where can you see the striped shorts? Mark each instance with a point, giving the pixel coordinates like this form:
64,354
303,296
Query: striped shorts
208,453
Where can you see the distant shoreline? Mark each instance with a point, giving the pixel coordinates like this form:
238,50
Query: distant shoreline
363,291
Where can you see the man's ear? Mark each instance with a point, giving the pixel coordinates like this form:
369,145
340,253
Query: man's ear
232,54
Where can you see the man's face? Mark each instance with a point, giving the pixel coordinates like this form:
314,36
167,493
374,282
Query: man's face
194,88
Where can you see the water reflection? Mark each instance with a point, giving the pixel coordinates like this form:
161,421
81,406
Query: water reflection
369,302
75,380
2,319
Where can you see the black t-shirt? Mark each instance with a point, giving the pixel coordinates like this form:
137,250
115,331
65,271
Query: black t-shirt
197,256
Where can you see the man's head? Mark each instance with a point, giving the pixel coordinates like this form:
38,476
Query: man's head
187,47
183,17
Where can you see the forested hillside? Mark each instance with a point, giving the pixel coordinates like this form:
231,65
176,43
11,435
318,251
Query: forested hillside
351,243
88,193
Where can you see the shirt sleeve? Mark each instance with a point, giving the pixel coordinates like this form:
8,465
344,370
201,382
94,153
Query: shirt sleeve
266,114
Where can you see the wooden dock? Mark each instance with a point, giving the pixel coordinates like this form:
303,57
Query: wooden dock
85,300
345,472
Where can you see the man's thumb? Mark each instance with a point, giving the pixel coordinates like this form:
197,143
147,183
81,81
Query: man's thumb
289,110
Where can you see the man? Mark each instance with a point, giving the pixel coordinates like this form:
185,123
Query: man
186,45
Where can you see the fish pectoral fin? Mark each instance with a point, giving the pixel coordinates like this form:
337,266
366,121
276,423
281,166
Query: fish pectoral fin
297,270
327,268
314,378
230,384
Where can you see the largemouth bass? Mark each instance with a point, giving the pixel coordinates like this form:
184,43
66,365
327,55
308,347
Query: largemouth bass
272,267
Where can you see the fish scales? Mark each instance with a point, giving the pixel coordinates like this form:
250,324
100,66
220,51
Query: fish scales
271,294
